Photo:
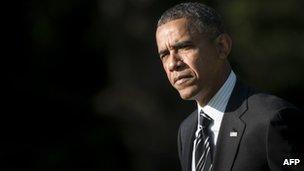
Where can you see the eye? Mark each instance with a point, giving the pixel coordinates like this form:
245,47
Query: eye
163,55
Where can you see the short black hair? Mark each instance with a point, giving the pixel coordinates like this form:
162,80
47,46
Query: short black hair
203,17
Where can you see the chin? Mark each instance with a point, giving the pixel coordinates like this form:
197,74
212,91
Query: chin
187,94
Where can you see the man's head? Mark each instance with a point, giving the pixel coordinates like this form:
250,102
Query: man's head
193,47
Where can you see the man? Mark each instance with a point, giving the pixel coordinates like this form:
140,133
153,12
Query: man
235,127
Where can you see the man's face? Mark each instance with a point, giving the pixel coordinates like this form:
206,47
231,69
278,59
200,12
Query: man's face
190,59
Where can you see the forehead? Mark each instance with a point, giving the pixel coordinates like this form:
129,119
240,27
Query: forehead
173,30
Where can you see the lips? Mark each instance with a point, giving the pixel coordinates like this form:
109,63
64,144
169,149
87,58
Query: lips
181,79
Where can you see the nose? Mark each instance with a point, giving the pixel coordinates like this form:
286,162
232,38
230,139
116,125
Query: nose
175,62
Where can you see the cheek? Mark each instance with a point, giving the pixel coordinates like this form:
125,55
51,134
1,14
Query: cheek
195,64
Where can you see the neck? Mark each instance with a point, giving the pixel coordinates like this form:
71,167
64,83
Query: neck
210,91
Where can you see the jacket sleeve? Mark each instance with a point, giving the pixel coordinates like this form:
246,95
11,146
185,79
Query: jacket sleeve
285,140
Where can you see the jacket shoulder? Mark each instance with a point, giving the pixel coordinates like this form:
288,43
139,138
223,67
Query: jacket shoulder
265,102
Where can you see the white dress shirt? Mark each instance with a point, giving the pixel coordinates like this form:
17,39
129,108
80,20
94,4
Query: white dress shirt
215,108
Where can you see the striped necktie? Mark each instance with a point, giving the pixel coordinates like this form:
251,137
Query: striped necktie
203,144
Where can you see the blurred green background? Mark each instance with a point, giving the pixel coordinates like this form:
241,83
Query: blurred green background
85,89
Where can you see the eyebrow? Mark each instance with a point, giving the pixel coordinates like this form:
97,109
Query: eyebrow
182,44
177,45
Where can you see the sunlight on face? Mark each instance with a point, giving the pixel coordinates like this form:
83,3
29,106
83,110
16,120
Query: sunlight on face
190,59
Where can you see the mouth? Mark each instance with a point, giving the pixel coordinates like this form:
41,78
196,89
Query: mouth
182,79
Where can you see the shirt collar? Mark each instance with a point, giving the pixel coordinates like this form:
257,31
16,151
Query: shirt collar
217,104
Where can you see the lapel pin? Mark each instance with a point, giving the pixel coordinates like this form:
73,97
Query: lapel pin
233,134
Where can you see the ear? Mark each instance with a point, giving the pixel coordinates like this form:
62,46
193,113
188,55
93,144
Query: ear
223,44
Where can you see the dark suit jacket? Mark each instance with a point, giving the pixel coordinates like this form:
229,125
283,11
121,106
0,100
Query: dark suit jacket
269,130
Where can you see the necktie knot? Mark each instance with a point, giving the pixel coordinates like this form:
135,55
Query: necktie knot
205,120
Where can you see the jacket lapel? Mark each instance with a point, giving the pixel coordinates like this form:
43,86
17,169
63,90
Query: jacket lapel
232,129
189,144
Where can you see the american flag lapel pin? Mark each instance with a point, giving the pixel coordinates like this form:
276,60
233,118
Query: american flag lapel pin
233,134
